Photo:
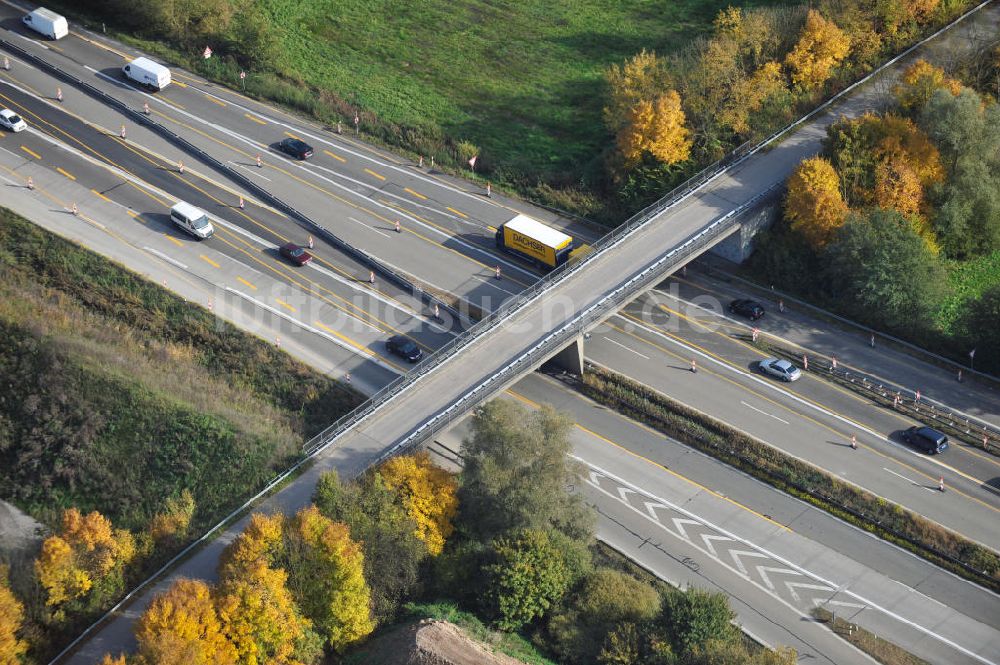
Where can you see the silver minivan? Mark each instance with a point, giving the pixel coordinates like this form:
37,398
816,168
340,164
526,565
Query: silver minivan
191,219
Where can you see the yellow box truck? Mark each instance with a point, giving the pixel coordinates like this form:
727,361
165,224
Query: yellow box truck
540,244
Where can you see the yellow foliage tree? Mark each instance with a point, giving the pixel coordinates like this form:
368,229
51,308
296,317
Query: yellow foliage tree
260,540
11,615
658,129
749,95
814,205
82,554
919,83
258,615
112,660
897,186
821,47
901,135
181,627
643,76
173,523
428,493
328,573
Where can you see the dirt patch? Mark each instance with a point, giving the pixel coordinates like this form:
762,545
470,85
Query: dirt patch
431,642
18,530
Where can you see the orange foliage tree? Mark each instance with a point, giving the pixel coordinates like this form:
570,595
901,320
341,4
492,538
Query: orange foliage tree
821,47
173,523
428,493
657,128
919,83
182,627
86,553
814,205
644,76
11,615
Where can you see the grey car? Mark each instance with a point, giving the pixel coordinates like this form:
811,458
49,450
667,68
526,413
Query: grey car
781,369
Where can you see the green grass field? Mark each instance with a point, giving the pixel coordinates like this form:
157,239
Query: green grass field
967,279
522,80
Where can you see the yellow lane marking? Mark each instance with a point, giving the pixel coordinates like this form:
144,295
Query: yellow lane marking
377,175
173,240
31,152
246,283
659,466
55,48
133,214
493,229
458,212
335,156
213,99
290,135
285,305
208,261
842,435
97,193
66,173
417,194
179,83
255,119
361,347
171,103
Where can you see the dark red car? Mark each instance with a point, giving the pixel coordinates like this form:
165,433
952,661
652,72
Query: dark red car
295,254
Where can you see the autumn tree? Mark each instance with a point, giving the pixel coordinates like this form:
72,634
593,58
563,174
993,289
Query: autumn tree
656,128
919,83
182,627
526,576
516,472
12,647
327,577
257,609
85,560
171,526
749,95
814,205
108,659
429,494
643,77
387,533
821,47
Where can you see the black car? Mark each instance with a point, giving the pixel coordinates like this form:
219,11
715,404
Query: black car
748,308
926,439
296,148
405,348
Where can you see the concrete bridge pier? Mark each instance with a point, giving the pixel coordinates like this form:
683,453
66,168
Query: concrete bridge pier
570,359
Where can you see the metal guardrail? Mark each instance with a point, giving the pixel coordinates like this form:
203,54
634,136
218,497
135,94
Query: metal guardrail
140,117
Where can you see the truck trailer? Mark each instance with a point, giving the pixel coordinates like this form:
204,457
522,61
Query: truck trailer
530,239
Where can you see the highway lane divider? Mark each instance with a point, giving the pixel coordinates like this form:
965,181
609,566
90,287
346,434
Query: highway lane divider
140,117
843,500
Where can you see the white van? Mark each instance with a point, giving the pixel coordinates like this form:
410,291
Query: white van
191,219
147,73
47,23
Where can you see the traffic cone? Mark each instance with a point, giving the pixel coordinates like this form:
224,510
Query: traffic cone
180,167
489,191
76,211
122,133
145,108
31,183
347,377
277,342
371,277
259,162
242,205
498,272
941,484
694,366
59,94
854,441
398,230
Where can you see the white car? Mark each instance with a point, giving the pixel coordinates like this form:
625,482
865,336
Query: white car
12,121
782,369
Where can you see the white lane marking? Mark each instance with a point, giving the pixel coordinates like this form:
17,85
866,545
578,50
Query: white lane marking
493,281
911,481
750,406
625,347
251,171
369,227
762,552
166,258
29,40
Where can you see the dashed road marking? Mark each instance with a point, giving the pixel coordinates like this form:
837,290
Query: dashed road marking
417,194
246,283
66,173
31,152
208,261
335,156
377,175
255,119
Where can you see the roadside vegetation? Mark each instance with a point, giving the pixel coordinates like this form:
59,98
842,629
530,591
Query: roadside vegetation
130,420
499,548
595,107
843,500
897,223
